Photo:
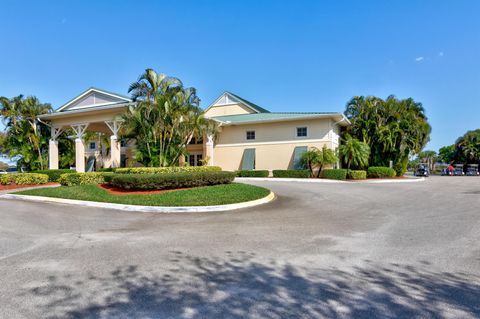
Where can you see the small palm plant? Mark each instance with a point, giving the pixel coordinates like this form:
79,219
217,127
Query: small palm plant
315,158
354,152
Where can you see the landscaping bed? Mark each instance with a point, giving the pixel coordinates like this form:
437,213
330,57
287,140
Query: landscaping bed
16,186
199,196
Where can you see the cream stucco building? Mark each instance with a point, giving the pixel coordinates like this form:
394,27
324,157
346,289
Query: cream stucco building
250,137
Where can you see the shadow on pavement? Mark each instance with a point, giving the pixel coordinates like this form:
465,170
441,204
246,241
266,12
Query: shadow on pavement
239,287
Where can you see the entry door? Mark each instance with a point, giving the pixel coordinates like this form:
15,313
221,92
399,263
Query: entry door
195,159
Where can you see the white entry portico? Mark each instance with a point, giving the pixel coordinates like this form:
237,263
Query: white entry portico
94,110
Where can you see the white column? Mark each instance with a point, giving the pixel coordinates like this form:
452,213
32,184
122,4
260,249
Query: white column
53,147
114,126
79,155
114,151
53,154
209,150
79,147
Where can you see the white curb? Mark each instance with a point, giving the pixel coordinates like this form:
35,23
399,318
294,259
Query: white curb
147,209
323,180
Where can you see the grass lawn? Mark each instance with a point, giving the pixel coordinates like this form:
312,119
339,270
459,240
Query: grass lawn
200,196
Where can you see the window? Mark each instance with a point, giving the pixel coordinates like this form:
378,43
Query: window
196,140
194,159
191,160
250,135
302,132
93,145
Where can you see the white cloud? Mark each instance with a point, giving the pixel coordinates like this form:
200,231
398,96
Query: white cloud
419,59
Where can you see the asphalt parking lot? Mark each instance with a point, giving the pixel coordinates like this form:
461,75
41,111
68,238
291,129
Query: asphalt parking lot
318,251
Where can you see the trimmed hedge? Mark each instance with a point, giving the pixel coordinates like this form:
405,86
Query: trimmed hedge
23,179
259,173
85,178
340,174
357,174
173,169
54,174
106,169
381,172
171,180
292,173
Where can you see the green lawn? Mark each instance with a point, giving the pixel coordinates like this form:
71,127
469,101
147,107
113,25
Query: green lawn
200,196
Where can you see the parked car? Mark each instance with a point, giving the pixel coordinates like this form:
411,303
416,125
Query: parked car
422,170
2,171
472,170
458,170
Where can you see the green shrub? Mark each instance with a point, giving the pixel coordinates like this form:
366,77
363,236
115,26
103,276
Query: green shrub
23,179
171,180
54,174
380,172
106,169
259,173
173,169
340,174
83,178
292,173
357,174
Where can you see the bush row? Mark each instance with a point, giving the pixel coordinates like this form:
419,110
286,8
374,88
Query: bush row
173,169
245,173
23,179
356,174
171,180
53,174
340,174
85,178
292,173
381,172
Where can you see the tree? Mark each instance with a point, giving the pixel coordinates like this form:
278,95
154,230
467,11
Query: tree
428,157
167,116
25,135
316,158
353,151
394,129
467,148
446,154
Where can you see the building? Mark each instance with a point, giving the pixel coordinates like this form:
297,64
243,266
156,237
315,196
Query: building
250,136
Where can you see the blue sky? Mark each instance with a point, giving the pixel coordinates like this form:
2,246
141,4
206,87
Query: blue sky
282,55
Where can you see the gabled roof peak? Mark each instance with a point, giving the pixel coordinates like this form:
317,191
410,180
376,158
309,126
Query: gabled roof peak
93,97
230,98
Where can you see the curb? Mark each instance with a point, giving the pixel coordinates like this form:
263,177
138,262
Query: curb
145,209
327,181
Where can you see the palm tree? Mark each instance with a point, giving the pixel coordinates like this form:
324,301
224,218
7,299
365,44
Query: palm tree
26,136
166,118
315,158
310,159
355,152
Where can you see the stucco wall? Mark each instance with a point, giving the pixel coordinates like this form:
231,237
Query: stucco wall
275,132
272,156
274,143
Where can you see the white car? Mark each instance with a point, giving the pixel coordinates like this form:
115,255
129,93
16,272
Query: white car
2,171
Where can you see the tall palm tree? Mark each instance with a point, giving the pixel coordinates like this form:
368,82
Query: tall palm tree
26,136
167,116
355,152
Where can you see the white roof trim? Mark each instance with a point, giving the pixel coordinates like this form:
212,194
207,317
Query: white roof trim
88,92
313,116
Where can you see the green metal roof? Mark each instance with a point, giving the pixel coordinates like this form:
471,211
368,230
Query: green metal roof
250,104
273,116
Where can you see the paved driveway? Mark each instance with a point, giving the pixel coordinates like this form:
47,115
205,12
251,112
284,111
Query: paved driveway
320,250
